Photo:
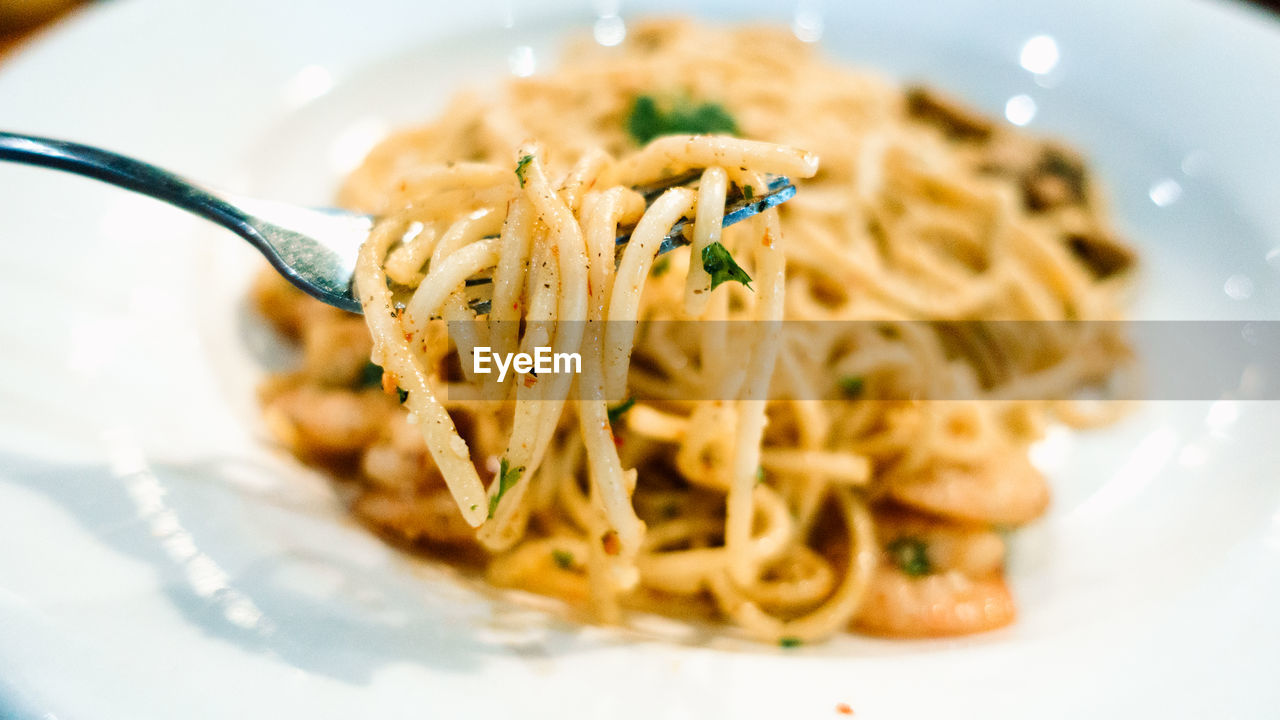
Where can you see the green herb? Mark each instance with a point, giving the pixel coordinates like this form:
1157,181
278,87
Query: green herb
759,474
789,642
647,121
562,558
506,479
748,192
404,394
371,376
721,266
850,385
910,555
522,166
661,267
620,409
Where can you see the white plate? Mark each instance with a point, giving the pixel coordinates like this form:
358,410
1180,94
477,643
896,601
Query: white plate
161,561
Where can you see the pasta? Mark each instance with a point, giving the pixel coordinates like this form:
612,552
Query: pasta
787,478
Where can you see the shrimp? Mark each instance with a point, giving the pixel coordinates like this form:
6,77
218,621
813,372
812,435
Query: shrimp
336,351
940,605
391,468
287,308
399,461
433,517
939,579
327,422
1002,490
974,551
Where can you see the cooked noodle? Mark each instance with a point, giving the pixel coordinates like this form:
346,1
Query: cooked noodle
792,517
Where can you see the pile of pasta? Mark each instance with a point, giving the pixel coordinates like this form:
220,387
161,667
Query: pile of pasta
851,462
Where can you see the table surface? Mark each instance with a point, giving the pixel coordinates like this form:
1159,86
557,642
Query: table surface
10,42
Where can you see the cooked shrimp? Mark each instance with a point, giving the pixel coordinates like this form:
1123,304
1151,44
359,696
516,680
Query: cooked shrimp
336,351
940,605
937,579
391,468
288,308
1002,490
433,517
399,461
974,551
326,422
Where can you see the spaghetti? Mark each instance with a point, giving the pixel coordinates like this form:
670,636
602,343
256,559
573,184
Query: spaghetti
790,516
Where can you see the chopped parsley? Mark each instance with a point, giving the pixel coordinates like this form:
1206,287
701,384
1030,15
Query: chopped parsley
522,166
620,409
721,266
661,267
647,121
748,192
850,385
562,558
371,376
403,394
909,553
789,642
759,474
507,477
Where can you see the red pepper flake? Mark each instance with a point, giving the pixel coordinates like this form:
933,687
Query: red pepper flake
530,380
390,383
408,337
612,545
617,441
844,709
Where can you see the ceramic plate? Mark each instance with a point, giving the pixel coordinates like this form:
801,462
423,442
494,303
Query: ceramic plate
162,560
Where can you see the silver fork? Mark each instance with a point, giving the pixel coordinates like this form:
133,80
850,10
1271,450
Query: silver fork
315,248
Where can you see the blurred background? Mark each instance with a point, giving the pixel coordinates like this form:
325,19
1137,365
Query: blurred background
22,19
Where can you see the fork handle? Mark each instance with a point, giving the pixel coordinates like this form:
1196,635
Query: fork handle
127,173
327,274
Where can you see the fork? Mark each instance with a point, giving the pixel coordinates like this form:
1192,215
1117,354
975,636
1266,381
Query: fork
314,248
